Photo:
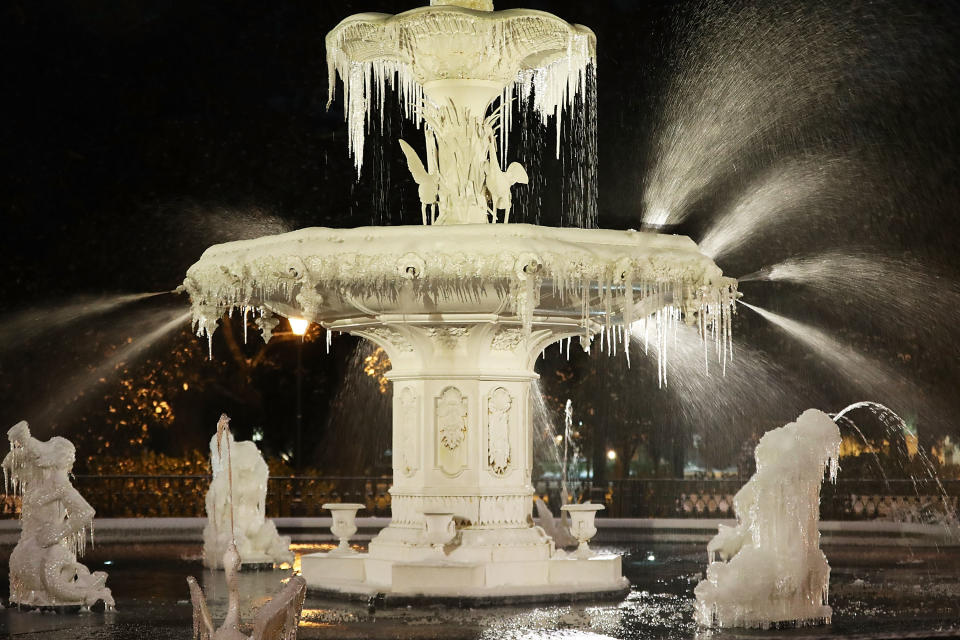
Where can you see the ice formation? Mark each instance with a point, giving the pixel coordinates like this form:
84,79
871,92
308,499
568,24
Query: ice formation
770,568
55,521
237,500
614,282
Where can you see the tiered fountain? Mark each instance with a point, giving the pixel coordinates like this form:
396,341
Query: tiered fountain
463,305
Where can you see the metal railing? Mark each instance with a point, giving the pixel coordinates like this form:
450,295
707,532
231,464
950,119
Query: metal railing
921,500
303,496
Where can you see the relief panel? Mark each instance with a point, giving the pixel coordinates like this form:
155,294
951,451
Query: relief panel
407,454
451,419
499,451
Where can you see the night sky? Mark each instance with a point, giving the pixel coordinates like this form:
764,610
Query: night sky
138,132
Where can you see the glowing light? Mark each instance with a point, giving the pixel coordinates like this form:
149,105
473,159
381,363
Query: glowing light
651,557
558,439
299,325
611,454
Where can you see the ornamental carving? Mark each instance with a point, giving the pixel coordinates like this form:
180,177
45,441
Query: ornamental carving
507,340
391,336
481,511
498,430
447,337
407,433
451,418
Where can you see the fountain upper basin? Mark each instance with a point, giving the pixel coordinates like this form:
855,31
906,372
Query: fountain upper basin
444,42
525,272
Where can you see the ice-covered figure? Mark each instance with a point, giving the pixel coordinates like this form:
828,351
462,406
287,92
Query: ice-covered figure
770,568
55,519
256,537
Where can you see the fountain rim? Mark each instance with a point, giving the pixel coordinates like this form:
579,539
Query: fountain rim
383,20
518,230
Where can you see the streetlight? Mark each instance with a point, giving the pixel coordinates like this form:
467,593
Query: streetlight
299,327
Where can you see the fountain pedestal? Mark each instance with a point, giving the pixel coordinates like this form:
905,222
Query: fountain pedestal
462,445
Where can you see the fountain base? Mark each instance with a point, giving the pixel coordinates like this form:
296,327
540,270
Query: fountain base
442,579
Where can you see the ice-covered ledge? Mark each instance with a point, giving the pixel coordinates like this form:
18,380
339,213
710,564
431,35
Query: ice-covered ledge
515,270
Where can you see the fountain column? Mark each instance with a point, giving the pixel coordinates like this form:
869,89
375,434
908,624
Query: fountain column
461,435
462,444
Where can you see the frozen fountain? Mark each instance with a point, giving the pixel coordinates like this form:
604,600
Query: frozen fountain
236,505
464,307
770,569
55,521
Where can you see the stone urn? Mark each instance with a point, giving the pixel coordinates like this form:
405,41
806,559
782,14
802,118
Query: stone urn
438,529
582,525
344,524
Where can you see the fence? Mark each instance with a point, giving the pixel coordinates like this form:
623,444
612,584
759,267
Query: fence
303,496
921,500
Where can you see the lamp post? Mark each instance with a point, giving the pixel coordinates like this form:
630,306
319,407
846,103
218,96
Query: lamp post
299,327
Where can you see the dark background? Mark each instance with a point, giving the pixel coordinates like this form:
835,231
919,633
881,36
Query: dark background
135,133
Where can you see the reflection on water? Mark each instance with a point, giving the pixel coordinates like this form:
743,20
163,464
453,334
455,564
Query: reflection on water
876,592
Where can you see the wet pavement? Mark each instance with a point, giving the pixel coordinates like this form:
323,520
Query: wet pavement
875,592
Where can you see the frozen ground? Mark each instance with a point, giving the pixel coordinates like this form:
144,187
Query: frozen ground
876,593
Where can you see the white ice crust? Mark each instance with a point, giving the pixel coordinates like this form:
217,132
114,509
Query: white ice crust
770,568
606,279
55,521
520,52
256,537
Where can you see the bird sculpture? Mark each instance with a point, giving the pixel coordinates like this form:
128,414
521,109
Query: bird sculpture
276,620
499,183
428,183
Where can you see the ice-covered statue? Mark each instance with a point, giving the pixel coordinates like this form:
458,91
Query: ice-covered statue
770,568
55,519
237,500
